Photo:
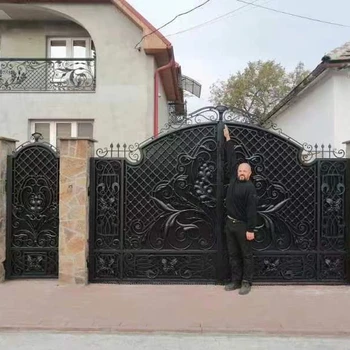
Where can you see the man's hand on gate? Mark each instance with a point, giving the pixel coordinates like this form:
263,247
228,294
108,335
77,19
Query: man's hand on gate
250,236
227,133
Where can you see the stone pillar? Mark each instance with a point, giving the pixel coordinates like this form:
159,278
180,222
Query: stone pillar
7,146
347,148
75,154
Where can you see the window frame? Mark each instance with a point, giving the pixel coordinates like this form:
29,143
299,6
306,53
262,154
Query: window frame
69,47
53,127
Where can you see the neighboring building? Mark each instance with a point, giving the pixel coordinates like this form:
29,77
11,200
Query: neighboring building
317,110
73,68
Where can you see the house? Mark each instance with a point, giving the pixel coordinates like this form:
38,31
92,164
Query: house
317,110
84,68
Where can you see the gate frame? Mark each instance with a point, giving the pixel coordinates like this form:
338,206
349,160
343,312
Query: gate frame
347,220
36,139
277,133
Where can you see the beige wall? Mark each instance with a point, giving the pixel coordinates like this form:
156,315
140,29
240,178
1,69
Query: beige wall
162,105
122,105
29,39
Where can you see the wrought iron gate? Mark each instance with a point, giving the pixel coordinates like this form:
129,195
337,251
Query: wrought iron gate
32,226
157,211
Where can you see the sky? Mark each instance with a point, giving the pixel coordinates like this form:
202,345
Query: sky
214,51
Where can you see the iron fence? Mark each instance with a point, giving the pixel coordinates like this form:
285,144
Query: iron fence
60,75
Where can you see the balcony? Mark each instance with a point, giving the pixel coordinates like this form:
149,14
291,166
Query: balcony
47,75
177,112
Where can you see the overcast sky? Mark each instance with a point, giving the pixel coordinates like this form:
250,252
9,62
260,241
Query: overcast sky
216,50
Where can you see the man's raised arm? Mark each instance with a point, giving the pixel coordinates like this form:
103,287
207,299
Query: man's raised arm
230,152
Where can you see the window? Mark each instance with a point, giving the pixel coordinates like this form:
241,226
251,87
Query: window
52,131
70,48
79,54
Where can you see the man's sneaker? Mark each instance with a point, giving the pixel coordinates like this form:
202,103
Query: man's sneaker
245,289
232,286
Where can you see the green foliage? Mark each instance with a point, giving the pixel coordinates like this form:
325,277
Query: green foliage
259,88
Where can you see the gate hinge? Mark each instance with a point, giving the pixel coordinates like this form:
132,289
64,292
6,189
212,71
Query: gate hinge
88,191
6,190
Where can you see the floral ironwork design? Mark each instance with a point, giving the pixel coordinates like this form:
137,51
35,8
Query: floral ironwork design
332,192
171,210
47,75
185,203
33,228
106,266
175,267
35,217
107,195
333,267
286,267
307,153
273,229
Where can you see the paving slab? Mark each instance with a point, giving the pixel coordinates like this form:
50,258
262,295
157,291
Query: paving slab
281,310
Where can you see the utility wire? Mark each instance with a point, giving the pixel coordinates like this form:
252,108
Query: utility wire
212,20
294,15
166,24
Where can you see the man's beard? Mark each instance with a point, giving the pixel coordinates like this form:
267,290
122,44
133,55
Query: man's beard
242,179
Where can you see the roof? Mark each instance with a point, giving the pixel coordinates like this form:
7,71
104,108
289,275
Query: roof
338,58
340,53
154,44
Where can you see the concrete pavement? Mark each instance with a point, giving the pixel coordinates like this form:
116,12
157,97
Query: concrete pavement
44,341
272,310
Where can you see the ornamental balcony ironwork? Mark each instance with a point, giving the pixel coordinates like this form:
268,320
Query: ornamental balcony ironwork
177,112
51,75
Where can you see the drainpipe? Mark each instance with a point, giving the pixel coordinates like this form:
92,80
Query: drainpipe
171,64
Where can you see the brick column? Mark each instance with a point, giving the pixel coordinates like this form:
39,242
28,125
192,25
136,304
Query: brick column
7,146
74,209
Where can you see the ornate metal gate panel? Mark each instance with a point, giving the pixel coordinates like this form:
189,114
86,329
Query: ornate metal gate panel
157,212
32,227
157,220
332,227
301,208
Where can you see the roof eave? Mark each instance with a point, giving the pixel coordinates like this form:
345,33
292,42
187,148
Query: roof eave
157,45
302,86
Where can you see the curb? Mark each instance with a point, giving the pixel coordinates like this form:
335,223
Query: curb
164,331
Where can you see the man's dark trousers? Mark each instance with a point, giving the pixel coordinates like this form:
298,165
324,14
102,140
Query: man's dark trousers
239,250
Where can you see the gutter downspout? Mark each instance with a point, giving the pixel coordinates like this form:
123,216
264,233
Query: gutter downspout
156,90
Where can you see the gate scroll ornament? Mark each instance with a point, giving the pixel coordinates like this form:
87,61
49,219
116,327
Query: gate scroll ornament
157,209
32,231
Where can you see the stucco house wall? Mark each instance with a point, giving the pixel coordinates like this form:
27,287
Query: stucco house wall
122,105
310,117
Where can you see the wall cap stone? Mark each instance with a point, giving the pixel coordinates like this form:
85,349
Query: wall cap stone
2,138
77,139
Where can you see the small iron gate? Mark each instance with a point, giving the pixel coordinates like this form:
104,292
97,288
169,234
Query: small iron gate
157,212
32,220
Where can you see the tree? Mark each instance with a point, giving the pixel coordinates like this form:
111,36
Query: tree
259,88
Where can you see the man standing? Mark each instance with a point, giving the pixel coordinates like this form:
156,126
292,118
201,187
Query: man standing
241,206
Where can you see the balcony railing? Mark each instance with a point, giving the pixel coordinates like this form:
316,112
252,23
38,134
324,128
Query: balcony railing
52,75
177,112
